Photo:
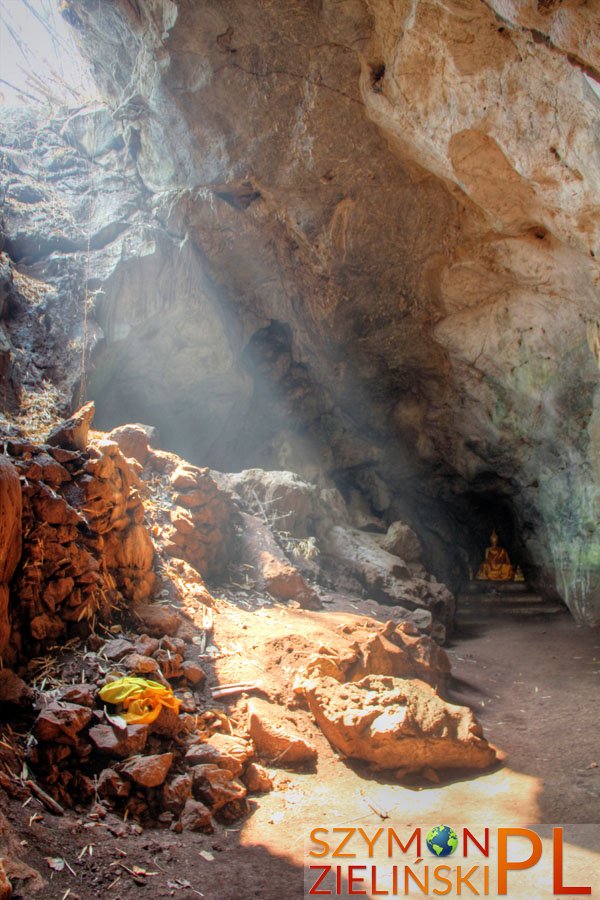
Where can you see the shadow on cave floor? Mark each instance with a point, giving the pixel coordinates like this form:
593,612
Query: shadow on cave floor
533,682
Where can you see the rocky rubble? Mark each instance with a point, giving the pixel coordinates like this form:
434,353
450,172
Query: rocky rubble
178,770
85,546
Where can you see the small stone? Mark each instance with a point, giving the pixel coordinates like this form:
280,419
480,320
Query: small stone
176,792
117,649
167,723
13,689
119,743
169,663
61,722
182,520
157,619
192,499
6,891
173,645
82,694
222,750
275,736
257,779
113,786
185,477
216,786
193,672
146,645
141,665
196,817
148,771
188,702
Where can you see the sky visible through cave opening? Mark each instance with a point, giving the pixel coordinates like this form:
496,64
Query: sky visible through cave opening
39,59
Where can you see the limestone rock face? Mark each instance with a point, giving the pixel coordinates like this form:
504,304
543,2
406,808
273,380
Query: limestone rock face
414,312
385,575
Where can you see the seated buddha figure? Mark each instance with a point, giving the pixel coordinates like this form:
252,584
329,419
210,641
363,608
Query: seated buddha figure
497,565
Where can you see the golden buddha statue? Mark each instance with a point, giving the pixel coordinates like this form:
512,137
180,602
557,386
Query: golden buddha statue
497,565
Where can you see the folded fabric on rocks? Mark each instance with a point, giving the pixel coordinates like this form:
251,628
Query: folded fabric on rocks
141,700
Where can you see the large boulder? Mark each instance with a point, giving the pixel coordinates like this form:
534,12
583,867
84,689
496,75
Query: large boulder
397,723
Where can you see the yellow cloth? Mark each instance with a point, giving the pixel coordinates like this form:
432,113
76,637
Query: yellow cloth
141,700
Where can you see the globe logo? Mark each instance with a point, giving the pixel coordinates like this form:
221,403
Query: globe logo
442,840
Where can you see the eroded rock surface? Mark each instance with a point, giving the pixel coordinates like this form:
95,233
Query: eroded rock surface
396,723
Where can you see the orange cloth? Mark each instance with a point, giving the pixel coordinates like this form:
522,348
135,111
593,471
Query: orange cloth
141,700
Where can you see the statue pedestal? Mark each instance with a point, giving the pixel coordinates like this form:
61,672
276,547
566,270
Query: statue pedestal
499,587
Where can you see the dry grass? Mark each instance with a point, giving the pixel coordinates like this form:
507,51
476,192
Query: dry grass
39,410
31,289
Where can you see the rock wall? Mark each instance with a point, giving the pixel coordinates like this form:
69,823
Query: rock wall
355,239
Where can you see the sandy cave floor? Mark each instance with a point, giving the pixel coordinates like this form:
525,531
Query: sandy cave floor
532,681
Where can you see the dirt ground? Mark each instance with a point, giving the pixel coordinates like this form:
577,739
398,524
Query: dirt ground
532,681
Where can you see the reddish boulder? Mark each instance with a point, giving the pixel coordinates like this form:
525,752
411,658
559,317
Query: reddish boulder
157,618
223,750
397,723
13,689
193,672
176,792
216,787
113,786
257,779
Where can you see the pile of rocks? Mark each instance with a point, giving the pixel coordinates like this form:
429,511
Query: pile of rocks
176,771
84,545
200,522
